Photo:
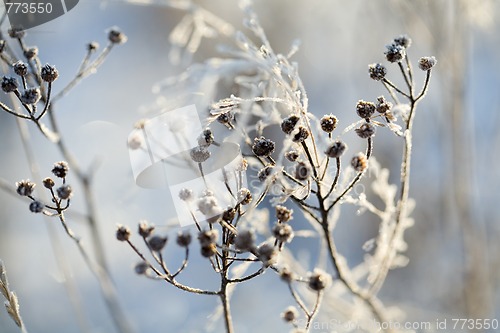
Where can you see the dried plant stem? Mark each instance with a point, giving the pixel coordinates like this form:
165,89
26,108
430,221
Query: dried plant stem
69,281
86,183
105,283
225,281
393,86
12,302
84,71
224,297
312,314
371,302
62,264
167,277
356,179
404,190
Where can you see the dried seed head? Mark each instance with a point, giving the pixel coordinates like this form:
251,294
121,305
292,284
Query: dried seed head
123,233
25,187
263,147
36,206
265,172
209,206
60,169
186,194
283,232
206,138
157,243
207,237
383,105
290,314
395,53
403,40
183,238
359,162
365,109
365,131
135,141
336,149
288,124
245,240
283,214
377,71
9,84
301,135
267,254
115,36
226,118
141,268
328,123
208,250
318,280
20,68
49,73
302,171
31,96
286,274
292,155
17,32
145,229
48,183
199,154
426,63
64,192
244,196
92,46
229,214
31,53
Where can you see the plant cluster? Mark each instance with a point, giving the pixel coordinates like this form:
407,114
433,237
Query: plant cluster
301,167
298,164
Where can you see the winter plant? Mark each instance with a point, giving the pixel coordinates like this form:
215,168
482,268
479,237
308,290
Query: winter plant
33,91
298,166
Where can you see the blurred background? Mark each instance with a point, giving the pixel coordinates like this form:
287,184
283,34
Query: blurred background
454,268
